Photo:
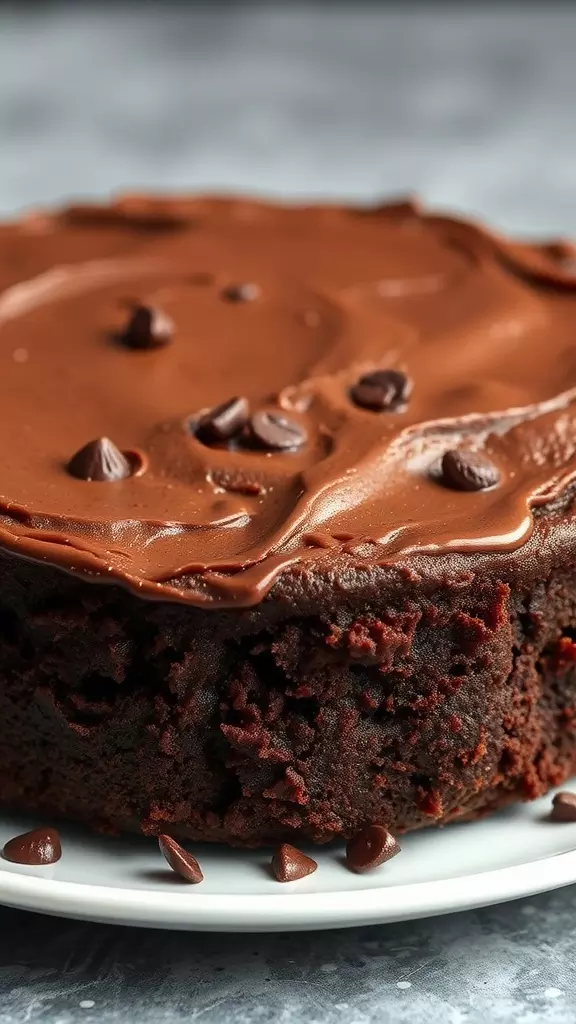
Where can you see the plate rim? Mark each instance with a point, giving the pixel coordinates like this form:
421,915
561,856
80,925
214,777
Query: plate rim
190,910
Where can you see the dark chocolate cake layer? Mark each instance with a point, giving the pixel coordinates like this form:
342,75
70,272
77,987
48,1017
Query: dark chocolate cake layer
287,526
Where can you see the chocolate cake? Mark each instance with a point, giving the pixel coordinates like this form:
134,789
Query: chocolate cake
287,519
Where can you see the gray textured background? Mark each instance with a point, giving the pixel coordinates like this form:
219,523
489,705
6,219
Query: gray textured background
472,106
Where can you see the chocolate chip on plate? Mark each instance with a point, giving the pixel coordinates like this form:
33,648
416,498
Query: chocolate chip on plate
562,250
563,807
290,864
224,421
99,460
147,327
382,390
182,862
41,846
276,432
247,292
468,471
373,846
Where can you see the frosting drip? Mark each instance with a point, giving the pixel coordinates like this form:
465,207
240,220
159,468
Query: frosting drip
482,328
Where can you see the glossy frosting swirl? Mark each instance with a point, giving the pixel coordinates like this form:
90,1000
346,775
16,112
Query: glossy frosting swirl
483,328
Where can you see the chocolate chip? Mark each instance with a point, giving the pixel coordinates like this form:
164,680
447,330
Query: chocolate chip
276,432
468,471
41,846
373,846
236,482
147,328
382,390
563,807
249,487
182,862
224,421
290,864
99,460
247,292
561,250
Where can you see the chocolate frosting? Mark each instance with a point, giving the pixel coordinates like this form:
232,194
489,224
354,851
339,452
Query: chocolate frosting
482,329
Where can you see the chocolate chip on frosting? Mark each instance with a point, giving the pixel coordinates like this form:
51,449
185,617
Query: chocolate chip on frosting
182,862
468,471
41,846
247,292
99,460
289,864
373,846
382,390
147,327
276,432
224,421
236,481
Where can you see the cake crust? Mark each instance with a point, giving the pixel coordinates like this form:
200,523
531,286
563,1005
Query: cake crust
411,698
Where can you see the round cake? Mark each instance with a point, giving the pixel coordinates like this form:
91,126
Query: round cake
287,522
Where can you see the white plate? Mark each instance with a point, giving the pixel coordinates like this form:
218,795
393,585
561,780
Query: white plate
127,881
